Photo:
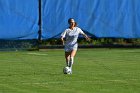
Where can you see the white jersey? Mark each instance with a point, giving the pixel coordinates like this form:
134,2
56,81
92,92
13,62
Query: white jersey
71,38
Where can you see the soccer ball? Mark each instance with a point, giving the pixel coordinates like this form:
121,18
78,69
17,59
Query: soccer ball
67,70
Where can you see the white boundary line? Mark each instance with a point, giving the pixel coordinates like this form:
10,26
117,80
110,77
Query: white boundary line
38,54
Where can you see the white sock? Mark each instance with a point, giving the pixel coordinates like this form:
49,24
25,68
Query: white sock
71,62
67,63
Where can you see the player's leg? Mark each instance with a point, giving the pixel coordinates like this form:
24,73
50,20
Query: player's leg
67,57
72,55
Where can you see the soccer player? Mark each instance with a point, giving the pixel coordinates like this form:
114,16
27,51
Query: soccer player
70,42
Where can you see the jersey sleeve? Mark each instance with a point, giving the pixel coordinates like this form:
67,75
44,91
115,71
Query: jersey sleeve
63,34
80,31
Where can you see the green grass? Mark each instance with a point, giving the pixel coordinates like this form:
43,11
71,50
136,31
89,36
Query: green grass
94,71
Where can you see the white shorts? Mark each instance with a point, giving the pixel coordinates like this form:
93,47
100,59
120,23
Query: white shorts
69,48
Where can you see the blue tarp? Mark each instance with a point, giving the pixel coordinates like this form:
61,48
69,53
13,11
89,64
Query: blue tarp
100,18
18,19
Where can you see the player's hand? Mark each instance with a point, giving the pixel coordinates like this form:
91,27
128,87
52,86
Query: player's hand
88,39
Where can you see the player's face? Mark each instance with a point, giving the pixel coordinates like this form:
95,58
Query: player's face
72,24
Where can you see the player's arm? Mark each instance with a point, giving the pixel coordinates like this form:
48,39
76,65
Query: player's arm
63,36
62,39
81,32
87,38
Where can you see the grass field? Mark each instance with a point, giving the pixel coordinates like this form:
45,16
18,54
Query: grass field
94,71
